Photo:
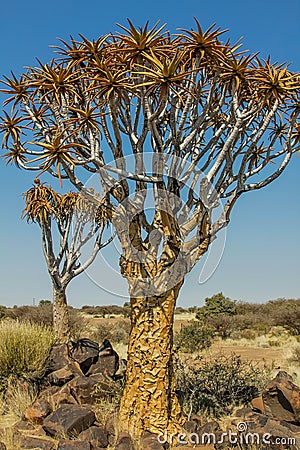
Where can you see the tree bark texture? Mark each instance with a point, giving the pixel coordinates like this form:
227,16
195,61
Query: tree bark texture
149,402
60,315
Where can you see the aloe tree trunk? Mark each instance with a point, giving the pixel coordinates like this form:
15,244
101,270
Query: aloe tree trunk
149,402
60,315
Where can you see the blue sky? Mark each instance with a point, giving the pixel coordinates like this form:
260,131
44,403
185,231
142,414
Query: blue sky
261,256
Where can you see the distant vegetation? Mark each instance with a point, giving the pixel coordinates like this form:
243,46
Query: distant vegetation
220,317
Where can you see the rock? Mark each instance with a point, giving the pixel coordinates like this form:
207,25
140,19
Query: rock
124,442
209,427
29,442
150,441
69,419
24,427
58,358
253,420
194,423
63,397
243,412
283,374
122,367
38,411
73,445
61,376
86,390
108,361
258,404
276,428
85,352
2,446
190,426
107,365
281,399
96,436
47,394
291,426
111,427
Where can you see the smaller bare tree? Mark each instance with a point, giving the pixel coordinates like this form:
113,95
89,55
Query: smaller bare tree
67,223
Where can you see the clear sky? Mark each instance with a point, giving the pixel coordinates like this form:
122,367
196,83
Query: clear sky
261,257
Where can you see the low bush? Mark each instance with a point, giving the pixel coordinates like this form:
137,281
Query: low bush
24,348
117,333
43,315
193,337
215,386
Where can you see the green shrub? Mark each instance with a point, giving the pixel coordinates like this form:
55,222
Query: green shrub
24,348
117,333
215,386
216,305
193,337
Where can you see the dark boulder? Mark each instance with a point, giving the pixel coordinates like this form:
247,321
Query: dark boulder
96,436
61,376
281,399
73,445
124,442
85,352
86,390
70,420
59,357
30,442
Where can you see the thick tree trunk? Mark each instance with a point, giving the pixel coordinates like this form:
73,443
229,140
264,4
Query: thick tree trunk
149,401
60,315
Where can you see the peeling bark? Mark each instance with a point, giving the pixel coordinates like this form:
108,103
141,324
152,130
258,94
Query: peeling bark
60,315
149,401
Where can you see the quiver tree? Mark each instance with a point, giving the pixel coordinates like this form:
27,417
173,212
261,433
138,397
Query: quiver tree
189,120
67,224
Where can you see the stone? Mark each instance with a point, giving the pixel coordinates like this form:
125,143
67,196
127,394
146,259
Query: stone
108,361
150,441
70,420
258,405
67,373
107,364
73,445
96,436
281,399
194,423
254,421
209,427
291,426
243,412
86,390
58,358
124,442
30,442
38,411
283,374
85,352
111,425
190,426
23,427
63,397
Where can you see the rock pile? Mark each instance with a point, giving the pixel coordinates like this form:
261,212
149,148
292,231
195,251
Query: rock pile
63,415
272,422
77,378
